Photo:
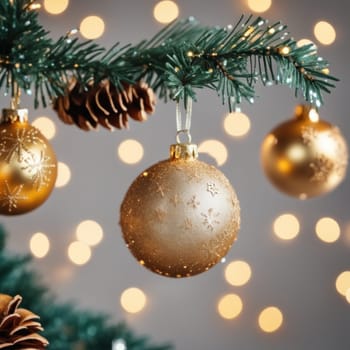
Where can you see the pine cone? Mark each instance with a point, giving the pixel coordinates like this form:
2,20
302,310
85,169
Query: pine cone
104,104
19,327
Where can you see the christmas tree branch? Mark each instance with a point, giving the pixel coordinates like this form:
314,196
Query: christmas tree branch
181,58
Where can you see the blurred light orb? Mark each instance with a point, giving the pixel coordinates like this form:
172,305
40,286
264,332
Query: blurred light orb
39,245
46,126
270,319
237,124
79,253
259,5
327,230
230,306
55,7
165,11
92,27
63,175
133,300
119,344
305,42
215,149
130,151
238,273
89,232
324,32
286,226
342,283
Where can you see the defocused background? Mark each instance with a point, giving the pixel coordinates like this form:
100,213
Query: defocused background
285,283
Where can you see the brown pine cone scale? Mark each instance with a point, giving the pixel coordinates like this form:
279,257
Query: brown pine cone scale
104,104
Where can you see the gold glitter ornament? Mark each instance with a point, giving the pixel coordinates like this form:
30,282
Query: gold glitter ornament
305,157
28,166
181,216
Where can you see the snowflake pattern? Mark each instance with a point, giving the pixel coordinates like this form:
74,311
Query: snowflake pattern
39,167
212,189
210,219
159,215
187,225
309,135
322,167
193,202
175,200
160,190
9,197
14,144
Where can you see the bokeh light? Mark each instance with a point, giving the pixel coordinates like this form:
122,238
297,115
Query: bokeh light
238,273
304,42
325,33
165,11
327,230
342,283
130,151
286,226
63,174
92,27
237,124
230,306
55,7
270,319
259,5
133,300
39,245
46,126
89,232
79,253
347,295
215,149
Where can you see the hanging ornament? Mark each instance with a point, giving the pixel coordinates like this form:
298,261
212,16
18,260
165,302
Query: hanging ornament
28,166
104,104
180,216
19,327
305,157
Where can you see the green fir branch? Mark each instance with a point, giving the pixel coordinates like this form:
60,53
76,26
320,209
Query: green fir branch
181,58
65,326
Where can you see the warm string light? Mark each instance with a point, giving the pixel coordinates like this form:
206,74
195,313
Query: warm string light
92,27
166,11
55,7
230,306
325,33
39,245
63,175
130,151
133,300
270,319
46,126
215,149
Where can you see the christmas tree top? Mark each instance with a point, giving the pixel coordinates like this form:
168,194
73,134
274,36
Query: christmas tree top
181,58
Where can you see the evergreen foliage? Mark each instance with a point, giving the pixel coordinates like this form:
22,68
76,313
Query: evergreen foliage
181,58
66,327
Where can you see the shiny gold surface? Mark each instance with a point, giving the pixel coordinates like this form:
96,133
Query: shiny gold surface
305,157
28,166
180,217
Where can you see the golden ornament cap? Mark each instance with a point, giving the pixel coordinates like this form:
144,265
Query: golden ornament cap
307,113
186,151
14,115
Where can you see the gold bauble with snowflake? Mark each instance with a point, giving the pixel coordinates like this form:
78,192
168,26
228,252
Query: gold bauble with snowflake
181,216
28,166
305,156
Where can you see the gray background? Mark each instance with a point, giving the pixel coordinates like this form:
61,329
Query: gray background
297,276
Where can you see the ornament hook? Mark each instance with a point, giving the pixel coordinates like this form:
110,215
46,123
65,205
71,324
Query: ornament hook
183,127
